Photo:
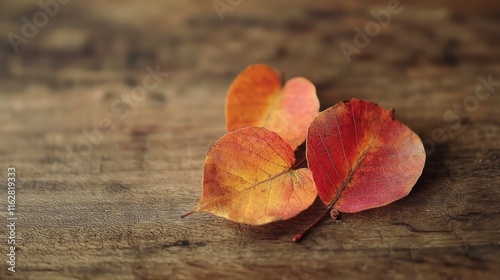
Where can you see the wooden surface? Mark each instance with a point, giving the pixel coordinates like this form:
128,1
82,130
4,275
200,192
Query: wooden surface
110,210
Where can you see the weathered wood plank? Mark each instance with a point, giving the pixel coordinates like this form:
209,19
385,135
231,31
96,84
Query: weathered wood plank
106,205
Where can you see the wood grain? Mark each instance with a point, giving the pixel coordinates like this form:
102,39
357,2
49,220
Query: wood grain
111,209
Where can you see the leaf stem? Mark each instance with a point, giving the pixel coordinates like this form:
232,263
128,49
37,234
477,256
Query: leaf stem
298,163
187,214
300,235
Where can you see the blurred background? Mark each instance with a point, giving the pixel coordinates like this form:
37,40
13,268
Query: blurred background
109,107
103,47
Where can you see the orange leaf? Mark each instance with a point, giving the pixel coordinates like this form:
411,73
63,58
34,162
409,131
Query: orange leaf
361,157
247,178
257,98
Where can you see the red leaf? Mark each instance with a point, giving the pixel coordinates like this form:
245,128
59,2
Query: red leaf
361,157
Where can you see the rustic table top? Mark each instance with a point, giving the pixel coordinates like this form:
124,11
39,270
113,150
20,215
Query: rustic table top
106,160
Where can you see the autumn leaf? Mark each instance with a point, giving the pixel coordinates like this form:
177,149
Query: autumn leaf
248,178
258,98
361,157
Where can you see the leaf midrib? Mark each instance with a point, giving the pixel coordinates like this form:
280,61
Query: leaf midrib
353,170
201,207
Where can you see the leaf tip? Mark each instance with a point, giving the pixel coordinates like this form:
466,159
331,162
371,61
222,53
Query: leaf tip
392,112
298,237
